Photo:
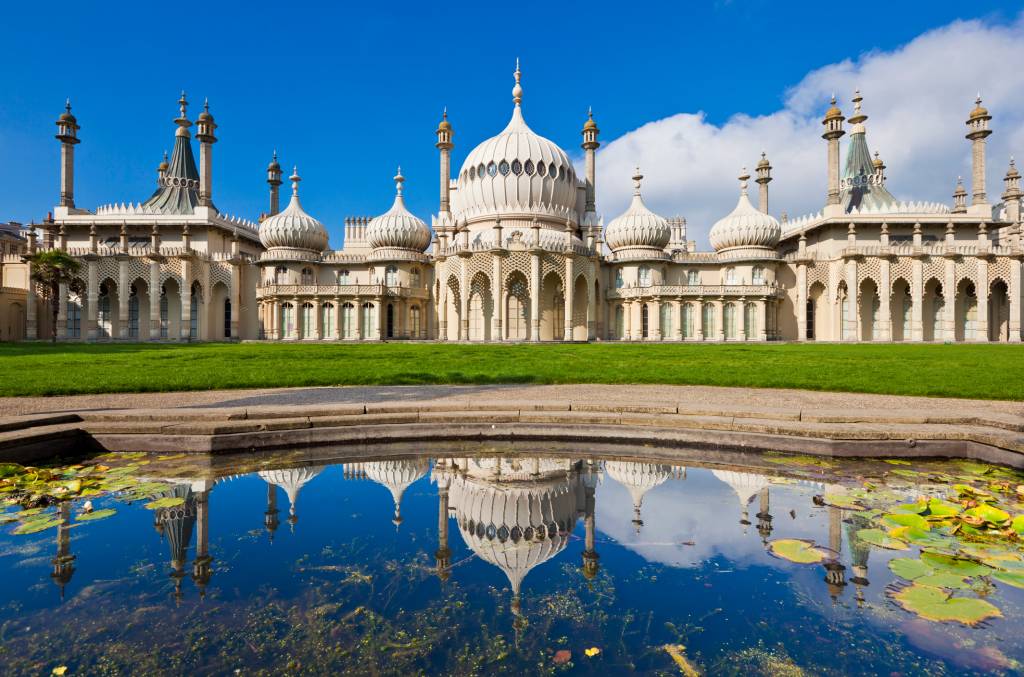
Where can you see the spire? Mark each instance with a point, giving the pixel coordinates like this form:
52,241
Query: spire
744,177
517,91
399,180
182,120
858,117
295,178
959,197
862,181
178,192
637,178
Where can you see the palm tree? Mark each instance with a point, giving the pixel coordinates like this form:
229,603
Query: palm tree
50,269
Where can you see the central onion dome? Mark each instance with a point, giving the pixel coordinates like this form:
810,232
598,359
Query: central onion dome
293,228
638,227
638,478
746,228
397,228
396,476
291,480
516,172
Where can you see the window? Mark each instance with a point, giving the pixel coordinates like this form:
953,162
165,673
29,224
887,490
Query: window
692,277
517,167
308,321
104,311
619,282
938,311
280,275
907,305
164,323
542,169
390,321
369,320
414,322
810,320
348,321
758,275
709,321
480,170
74,311
307,276
645,276
518,313
414,278
729,320
327,320
287,320
750,321
343,277
227,318
665,321
730,275
688,320
644,319
528,167
391,276
133,314
492,169
620,323
504,168
195,301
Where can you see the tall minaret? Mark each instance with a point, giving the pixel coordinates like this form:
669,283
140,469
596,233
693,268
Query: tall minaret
274,179
443,554
764,176
833,123
1012,194
445,145
63,561
270,520
205,127
590,145
590,556
67,134
202,570
978,131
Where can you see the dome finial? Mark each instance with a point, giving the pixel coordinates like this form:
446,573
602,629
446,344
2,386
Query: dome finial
637,178
67,105
295,178
743,177
399,179
517,91
182,103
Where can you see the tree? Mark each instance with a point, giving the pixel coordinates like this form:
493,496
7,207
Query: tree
50,269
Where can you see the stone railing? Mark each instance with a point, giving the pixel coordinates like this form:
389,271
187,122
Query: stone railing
694,290
937,249
362,290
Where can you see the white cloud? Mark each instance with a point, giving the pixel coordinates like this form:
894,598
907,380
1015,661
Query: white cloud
917,98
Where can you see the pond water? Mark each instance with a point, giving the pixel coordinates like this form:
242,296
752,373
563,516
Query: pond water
470,559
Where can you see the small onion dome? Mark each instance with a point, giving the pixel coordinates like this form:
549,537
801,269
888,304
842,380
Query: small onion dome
398,228
763,162
66,115
638,226
589,124
163,165
979,110
206,115
745,226
293,228
274,165
877,162
833,112
444,125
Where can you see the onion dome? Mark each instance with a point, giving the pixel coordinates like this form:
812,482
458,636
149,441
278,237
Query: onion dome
291,480
67,116
979,112
746,227
516,172
205,116
396,476
877,162
638,227
162,167
589,124
745,485
274,165
833,113
638,478
444,125
398,228
293,228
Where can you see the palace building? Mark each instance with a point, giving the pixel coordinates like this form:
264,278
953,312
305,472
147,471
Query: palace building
518,252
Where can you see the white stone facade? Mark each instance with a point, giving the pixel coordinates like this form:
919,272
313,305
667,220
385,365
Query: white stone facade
517,252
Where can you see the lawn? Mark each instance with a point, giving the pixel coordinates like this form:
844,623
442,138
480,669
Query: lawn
976,371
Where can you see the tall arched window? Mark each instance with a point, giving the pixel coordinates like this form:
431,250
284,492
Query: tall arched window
693,277
688,320
619,282
644,320
644,276
620,323
730,275
327,320
164,322
105,328
227,318
414,322
369,321
308,321
666,321
389,323
280,275
729,320
348,321
810,319
307,276
74,312
343,277
758,275
709,321
195,302
133,313
391,276
287,320
750,321
415,279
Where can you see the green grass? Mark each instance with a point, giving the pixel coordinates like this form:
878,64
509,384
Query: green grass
975,371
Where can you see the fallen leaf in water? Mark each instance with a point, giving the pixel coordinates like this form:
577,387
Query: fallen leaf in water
59,670
796,550
561,657
676,651
592,651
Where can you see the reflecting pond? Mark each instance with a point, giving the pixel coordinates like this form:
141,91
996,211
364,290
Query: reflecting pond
470,559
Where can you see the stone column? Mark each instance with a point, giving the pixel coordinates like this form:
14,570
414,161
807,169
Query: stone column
801,302
592,306
236,300
154,300
627,320
698,319
981,289
762,319
654,320
949,296
744,331
379,324
534,296
849,324
464,299
337,318
679,319
62,312
443,301
567,300
720,319
299,327
92,295
884,298
123,293
497,307
1015,305
318,320
917,301
186,299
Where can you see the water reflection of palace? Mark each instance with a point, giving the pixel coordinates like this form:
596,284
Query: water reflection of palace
516,513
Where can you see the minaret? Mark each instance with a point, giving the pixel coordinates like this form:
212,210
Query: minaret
590,146
67,134
63,561
835,572
764,516
959,197
443,555
590,556
201,569
1012,194
274,179
205,127
978,131
764,176
445,145
879,169
161,171
270,519
833,122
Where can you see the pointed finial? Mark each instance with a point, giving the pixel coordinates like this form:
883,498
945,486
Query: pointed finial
295,178
833,98
182,103
444,113
67,105
517,91
206,104
590,112
275,155
637,178
399,179
165,156
743,177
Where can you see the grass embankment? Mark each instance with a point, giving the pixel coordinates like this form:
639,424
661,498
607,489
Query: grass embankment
974,371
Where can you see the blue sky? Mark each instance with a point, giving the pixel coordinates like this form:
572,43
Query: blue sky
347,92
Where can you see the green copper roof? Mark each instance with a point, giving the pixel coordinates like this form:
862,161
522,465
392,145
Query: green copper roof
179,188
860,190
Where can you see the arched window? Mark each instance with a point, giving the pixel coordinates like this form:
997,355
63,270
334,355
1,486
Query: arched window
750,321
390,321
709,321
688,320
343,277
644,320
620,323
327,320
938,313
74,312
195,302
730,275
414,278
133,313
391,276
164,322
308,321
307,276
104,318
810,320
692,277
414,322
227,318
619,282
665,321
369,321
348,321
280,275
758,275
645,276
729,320
287,320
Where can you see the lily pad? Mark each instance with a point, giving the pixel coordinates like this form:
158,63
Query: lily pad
881,539
95,515
941,508
954,565
796,550
165,502
907,519
944,579
1014,578
934,604
36,525
989,514
1018,524
844,501
914,508
910,569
